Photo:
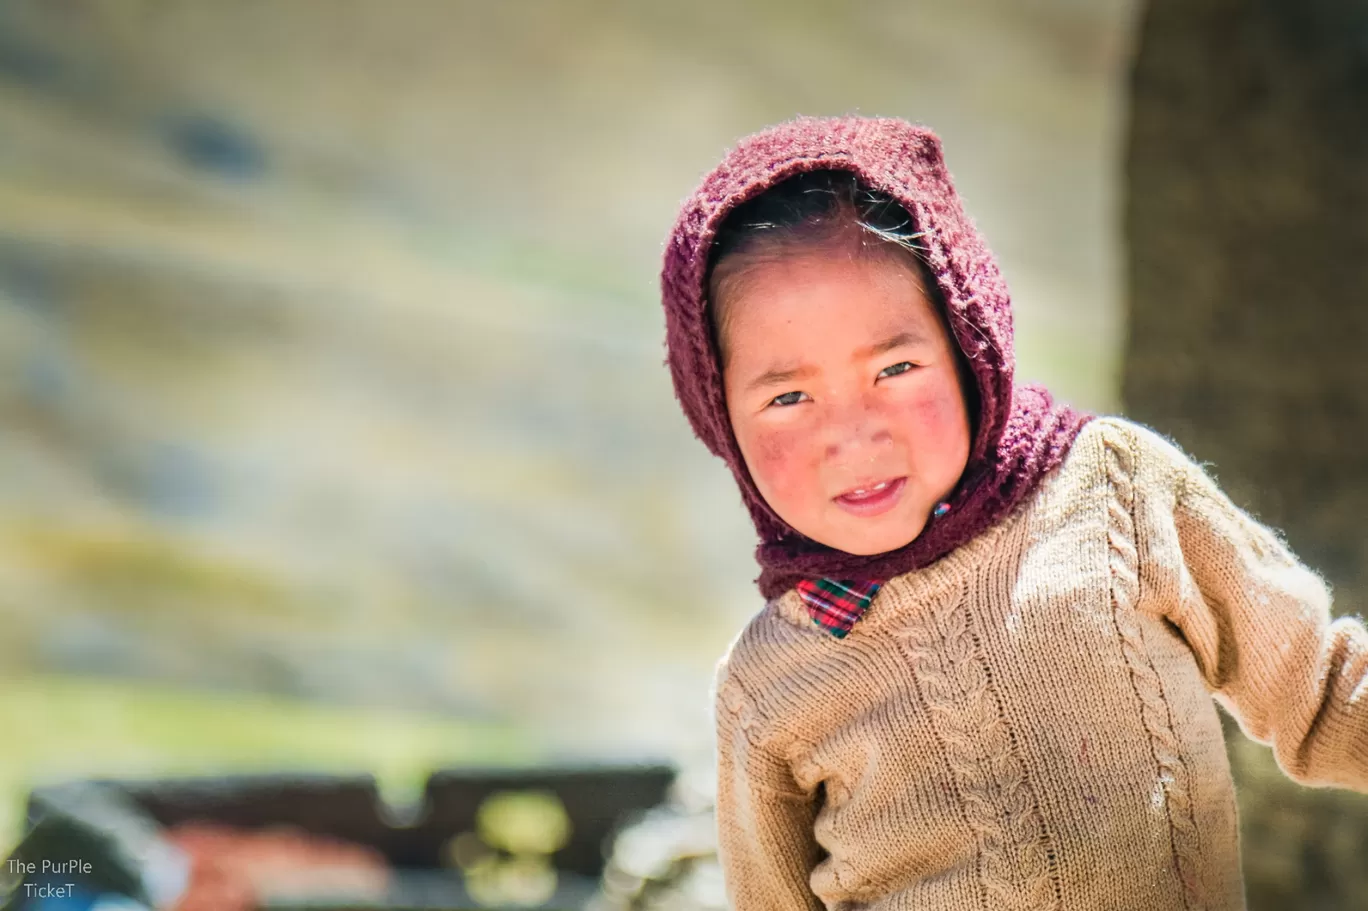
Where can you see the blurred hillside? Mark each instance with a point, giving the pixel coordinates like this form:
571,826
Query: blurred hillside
331,357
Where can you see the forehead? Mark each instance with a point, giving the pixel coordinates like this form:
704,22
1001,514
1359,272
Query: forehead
841,293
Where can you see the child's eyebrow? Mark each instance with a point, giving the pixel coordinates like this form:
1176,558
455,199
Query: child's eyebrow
776,375
905,337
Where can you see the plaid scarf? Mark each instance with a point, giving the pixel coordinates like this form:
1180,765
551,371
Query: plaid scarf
834,605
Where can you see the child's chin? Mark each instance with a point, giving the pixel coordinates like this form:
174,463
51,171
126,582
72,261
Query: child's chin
867,545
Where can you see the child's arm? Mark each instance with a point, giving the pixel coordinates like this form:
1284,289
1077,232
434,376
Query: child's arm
1258,622
764,820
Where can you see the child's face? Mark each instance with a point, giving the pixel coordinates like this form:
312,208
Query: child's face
844,396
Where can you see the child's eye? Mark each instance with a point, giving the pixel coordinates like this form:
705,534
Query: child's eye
896,369
788,398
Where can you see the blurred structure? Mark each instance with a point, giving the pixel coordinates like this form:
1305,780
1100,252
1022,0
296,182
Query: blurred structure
479,838
666,860
1247,184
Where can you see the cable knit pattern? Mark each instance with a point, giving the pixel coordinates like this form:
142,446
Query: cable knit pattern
991,779
735,702
1172,791
1027,723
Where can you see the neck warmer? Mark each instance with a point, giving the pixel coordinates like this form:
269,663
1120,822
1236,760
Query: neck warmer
1021,433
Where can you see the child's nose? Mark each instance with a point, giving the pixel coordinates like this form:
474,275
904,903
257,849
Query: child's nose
859,431
857,443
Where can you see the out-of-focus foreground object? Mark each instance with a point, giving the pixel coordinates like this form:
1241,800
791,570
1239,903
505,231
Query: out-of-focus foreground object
492,838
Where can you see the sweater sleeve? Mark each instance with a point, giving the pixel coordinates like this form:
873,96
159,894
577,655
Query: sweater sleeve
1259,624
766,843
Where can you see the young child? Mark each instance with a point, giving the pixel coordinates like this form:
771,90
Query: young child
983,675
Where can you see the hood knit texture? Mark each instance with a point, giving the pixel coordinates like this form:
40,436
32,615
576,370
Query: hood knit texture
1022,434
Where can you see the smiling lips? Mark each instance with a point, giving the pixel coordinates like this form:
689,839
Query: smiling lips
873,499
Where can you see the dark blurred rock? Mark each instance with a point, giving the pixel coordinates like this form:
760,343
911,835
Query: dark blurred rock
1247,168
210,143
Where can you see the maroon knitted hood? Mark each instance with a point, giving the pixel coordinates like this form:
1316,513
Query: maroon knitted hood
1022,434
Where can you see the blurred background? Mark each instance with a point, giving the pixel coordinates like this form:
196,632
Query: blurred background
336,434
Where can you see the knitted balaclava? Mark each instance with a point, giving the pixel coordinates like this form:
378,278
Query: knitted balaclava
1021,433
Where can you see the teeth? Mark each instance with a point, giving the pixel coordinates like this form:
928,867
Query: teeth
863,492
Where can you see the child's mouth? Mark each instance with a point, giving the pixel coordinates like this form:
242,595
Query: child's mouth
870,501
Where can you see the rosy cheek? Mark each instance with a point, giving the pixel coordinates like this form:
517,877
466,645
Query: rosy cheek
778,461
938,413
935,410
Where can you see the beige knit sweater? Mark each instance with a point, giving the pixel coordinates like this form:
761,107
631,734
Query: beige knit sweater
1028,723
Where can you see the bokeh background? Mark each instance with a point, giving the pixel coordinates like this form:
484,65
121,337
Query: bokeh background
336,433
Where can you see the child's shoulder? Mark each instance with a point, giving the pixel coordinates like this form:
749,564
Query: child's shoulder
1115,430
1116,462
1147,469
775,641
1133,447
768,633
